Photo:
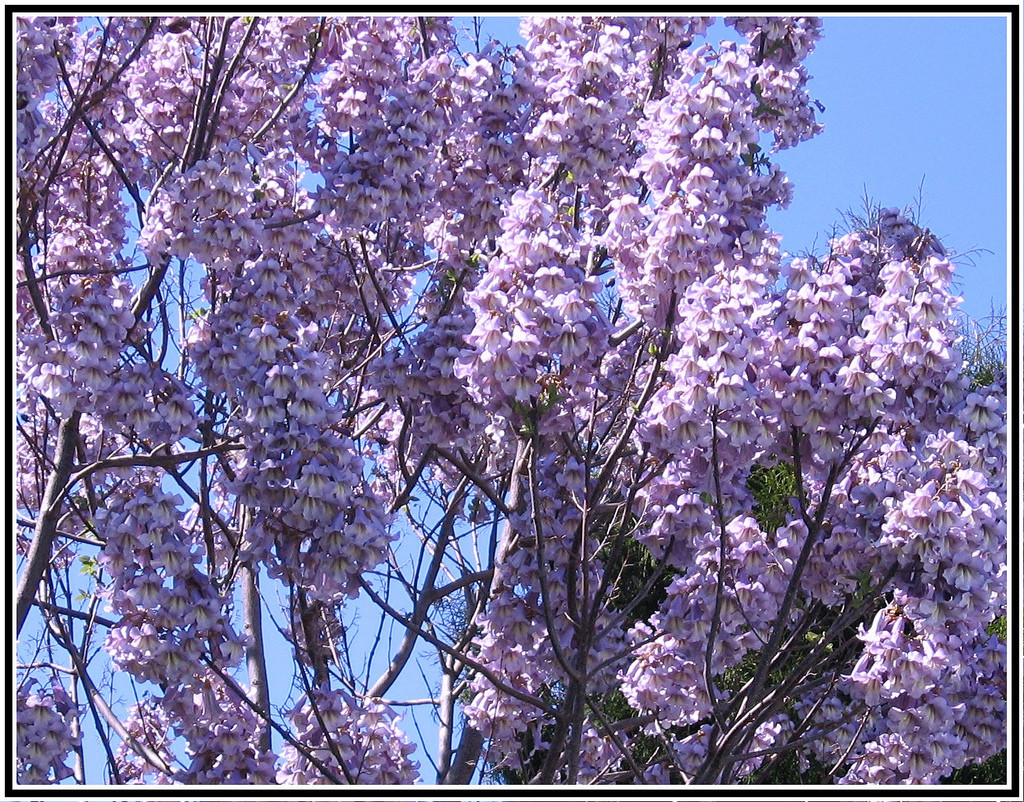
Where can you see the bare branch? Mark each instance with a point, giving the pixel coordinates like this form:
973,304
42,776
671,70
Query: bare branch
38,558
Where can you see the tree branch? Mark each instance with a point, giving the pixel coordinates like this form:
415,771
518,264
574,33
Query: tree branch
255,656
38,558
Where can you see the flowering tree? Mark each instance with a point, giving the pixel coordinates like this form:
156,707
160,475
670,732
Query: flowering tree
332,326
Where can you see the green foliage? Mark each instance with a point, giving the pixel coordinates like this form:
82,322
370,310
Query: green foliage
736,677
997,628
635,566
643,748
991,772
772,487
756,159
528,428
983,347
449,613
549,397
787,771
733,679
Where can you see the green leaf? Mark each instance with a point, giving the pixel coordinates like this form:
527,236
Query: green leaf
997,628
549,398
763,109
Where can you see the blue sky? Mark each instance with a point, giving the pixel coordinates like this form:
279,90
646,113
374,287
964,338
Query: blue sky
910,102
